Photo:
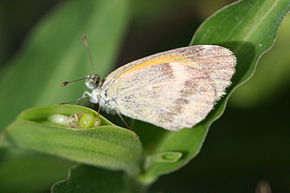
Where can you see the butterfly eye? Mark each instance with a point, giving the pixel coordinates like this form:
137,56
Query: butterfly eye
92,81
96,79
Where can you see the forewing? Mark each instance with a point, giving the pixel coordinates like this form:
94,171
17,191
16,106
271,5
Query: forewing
169,95
173,89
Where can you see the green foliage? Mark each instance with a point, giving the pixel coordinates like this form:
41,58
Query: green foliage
275,64
84,179
3,37
30,172
54,53
107,145
248,28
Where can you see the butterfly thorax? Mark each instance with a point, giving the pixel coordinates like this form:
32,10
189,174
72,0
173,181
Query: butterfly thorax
99,93
99,96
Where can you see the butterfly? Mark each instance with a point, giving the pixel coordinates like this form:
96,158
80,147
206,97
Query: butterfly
174,89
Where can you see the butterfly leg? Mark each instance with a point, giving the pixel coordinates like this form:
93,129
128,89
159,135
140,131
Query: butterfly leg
123,120
86,94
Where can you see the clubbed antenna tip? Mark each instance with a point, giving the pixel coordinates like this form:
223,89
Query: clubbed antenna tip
68,82
64,84
85,40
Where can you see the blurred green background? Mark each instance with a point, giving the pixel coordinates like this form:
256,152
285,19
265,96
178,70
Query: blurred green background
248,145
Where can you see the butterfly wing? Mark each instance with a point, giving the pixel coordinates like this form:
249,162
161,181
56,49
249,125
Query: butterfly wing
174,89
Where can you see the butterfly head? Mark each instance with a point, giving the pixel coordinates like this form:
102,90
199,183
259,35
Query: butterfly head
93,81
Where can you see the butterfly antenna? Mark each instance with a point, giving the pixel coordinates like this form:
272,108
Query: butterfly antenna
68,82
123,120
85,41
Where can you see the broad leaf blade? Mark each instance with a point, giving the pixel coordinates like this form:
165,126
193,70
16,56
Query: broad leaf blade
256,92
249,29
86,179
107,145
18,171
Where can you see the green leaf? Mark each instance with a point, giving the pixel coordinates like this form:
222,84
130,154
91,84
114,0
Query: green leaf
86,179
3,37
54,53
107,145
17,171
259,90
249,29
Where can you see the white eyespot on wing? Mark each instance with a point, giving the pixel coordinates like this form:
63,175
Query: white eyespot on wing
169,95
